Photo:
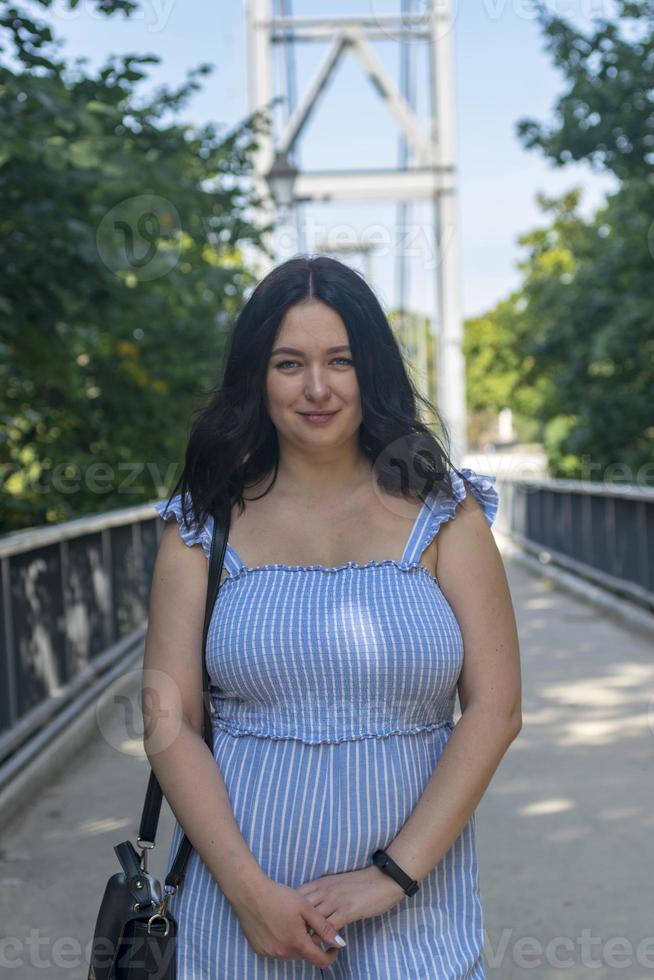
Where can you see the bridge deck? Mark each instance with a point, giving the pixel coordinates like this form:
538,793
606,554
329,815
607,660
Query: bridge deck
565,829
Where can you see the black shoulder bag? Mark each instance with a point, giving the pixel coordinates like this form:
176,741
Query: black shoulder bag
135,934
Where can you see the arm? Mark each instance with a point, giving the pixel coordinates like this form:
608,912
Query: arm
173,716
472,578
274,918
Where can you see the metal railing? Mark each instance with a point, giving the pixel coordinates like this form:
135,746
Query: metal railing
603,532
75,596
74,602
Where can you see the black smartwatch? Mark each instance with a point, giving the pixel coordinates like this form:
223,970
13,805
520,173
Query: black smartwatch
386,864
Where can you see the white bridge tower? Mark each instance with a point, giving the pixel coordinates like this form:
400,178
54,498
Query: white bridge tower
430,150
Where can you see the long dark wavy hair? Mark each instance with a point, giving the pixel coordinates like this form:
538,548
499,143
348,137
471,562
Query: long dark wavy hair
233,442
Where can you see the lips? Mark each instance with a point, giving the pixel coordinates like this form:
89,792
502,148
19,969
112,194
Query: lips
318,418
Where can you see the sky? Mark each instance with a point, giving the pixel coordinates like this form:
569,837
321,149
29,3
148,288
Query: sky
502,73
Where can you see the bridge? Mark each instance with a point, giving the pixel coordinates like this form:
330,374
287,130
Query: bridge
564,830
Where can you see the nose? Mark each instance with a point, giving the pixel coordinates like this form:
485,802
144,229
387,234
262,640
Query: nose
316,386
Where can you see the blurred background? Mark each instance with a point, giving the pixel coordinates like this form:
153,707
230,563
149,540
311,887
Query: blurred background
490,168
131,231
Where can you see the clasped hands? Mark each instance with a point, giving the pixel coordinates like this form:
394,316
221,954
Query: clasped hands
351,895
291,923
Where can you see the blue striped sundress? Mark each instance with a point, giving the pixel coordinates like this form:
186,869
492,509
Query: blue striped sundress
333,694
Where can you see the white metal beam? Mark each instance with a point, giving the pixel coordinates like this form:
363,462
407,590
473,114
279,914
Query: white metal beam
399,107
389,26
259,95
308,103
372,185
451,364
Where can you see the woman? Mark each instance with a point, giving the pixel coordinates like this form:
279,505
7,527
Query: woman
335,652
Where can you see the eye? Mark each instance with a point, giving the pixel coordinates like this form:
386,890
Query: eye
283,364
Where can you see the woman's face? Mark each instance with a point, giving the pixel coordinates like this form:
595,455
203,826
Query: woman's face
311,370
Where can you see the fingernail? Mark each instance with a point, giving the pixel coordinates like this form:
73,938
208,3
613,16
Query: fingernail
339,939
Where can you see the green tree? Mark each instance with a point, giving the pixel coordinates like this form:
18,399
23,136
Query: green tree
575,344
588,331
495,369
605,116
122,242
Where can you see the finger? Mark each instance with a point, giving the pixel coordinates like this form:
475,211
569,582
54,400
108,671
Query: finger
326,908
324,928
332,953
312,952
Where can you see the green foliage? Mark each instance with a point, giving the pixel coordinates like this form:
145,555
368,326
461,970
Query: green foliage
594,337
605,117
121,264
494,370
574,346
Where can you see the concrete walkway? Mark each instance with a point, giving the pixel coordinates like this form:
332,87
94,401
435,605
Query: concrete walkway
566,827
565,831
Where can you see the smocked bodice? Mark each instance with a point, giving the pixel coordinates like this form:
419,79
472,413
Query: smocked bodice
321,655
332,654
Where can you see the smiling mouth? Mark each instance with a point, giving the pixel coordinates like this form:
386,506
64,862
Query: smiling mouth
317,418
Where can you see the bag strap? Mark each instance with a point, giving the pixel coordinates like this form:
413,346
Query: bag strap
154,794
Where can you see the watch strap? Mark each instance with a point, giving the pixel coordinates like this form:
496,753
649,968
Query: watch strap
386,864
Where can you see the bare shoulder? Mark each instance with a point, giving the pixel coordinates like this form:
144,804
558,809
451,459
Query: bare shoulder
467,550
173,642
180,572
176,556
473,579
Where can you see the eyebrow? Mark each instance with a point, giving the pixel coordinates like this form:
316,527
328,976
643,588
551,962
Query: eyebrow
293,350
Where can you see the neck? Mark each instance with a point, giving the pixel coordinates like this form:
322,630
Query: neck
327,474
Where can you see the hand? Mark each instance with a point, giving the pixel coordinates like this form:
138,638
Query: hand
352,895
276,921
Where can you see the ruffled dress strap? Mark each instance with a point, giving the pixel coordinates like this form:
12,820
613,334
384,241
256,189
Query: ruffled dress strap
439,508
191,533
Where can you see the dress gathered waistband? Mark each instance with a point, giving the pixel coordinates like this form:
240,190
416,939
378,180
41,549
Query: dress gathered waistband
317,738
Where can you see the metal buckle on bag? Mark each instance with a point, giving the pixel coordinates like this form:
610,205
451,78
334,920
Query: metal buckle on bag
161,911
157,916
145,846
